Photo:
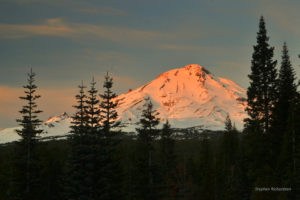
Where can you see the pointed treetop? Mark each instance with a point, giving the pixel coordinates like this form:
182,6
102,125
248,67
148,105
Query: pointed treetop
108,81
285,62
81,84
262,32
285,52
166,125
29,111
166,130
149,118
261,18
286,73
263,75
93,83
228,124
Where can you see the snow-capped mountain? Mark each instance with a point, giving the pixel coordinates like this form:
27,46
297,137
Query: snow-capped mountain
55,126
188,97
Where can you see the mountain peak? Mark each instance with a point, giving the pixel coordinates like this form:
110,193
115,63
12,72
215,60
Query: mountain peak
188,70
192,67
57,118
196,67
187,96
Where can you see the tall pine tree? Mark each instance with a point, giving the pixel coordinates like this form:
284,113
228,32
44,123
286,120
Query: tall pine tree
283,112
27,180
145,164
110,179
167,160
108,106
93,142
79,120
261,98
295,136
228,124
288,128
92,110
262,93
226,163
286,96
79,184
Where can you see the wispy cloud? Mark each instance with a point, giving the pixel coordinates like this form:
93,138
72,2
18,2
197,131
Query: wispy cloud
100,10
51,27
85,32
59,28
76,6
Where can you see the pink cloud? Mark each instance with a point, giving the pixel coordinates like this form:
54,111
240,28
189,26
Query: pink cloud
58,27
51,27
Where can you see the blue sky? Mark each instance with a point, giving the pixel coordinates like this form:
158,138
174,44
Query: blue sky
66,41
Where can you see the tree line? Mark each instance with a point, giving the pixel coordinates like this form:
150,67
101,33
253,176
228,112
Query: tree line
96,162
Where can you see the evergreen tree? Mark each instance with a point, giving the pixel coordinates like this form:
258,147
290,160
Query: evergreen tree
244,184
110,177
206,170
289,160
282,141
262,93
79,120
148,122
93,142
145,163
92,109
228,124
167,159
287,89
27,179
226,163
286,96
295,135
108,106
79,181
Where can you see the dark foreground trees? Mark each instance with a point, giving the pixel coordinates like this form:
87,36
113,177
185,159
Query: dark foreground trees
93,171
262,94
271,135
110,173
262,91
27,171
79,181
167,162
146,168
